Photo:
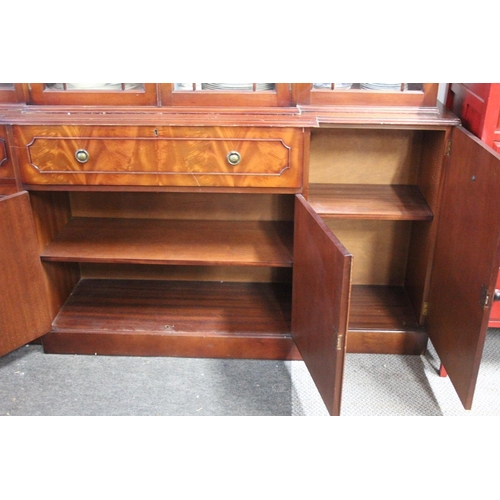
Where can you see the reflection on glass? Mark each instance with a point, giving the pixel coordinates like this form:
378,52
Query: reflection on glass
387,87
94,86
392,87
332,86
6,86
225,86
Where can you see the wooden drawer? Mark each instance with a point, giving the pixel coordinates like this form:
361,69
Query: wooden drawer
164,156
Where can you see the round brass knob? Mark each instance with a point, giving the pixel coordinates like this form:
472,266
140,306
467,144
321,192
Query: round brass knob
233,157
82,156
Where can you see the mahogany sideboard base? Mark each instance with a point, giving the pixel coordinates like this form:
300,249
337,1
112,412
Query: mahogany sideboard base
200,346
229,320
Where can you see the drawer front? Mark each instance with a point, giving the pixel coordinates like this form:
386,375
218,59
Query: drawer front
167,156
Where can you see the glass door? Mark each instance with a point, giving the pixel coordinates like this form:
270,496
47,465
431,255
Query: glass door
11,93
226,94
369,94
98,94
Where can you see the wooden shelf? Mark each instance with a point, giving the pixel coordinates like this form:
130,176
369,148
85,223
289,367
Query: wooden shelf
369,201
215,319
180,242
175,318
382,321
379,307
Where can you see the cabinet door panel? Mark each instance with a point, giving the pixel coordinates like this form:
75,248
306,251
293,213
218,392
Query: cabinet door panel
320,302
466,261
24,313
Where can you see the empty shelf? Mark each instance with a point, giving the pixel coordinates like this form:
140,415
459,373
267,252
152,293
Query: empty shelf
180,242
369,201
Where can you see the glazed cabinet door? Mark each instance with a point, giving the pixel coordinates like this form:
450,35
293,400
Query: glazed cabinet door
466,260
24,312
225,94
93,94
11,93
320,301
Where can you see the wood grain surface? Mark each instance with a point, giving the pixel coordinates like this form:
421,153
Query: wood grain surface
150,241
161,156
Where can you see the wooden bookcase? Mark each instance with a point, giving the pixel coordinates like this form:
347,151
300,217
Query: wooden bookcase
279,227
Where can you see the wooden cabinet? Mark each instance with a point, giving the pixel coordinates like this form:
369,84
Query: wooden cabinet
329,231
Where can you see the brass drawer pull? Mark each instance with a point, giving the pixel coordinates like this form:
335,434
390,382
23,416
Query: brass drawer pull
82,156
233,157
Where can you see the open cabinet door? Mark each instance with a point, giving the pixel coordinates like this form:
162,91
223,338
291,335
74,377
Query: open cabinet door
320,302
24,312
466,261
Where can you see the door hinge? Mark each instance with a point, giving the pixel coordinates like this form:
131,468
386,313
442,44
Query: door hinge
425,308
448,148
339,342
485,297
340,338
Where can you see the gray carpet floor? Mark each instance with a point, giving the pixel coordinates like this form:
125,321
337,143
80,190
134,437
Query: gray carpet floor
36,384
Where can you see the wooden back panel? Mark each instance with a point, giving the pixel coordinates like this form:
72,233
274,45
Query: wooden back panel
197,206
379,249
249,274
371,156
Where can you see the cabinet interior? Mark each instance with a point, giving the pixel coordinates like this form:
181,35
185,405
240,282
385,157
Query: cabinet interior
170,269
221,264
377,190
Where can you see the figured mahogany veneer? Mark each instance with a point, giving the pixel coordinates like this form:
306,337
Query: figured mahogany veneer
161,156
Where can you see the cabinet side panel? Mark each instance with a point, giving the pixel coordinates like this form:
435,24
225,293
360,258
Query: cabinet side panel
423,234
51,211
